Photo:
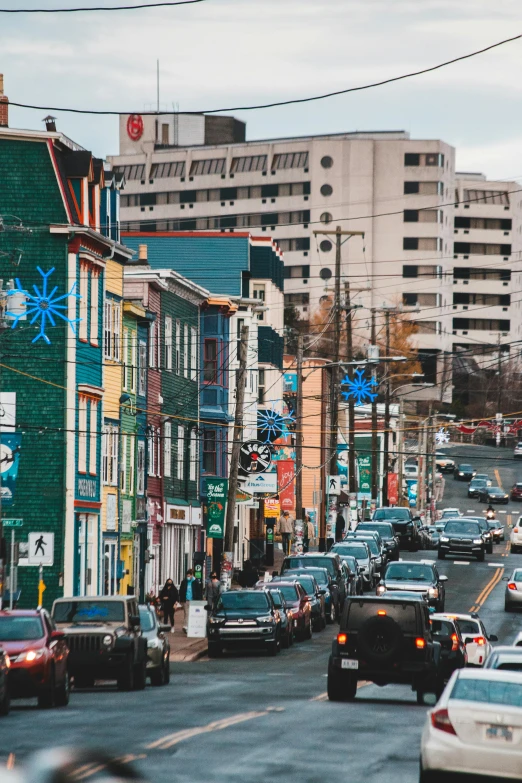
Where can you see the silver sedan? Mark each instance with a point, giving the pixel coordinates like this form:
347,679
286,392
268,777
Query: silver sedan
513,594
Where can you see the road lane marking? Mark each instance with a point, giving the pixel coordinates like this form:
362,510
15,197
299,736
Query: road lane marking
502,511
461,562
11,761
497,476
470,511
169,740
321,697
478,601
486,592
495,565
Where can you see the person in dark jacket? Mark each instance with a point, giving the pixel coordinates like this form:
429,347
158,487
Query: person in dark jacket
340,526
169,597
189,590
249,575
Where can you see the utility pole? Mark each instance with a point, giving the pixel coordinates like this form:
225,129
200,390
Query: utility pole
375,452
352,477
386,417
299,433
236,443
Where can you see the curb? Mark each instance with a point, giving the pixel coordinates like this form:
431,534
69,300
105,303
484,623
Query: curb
190,653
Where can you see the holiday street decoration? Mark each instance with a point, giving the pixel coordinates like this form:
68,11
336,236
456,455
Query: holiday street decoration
441,437
493,426
254,456
359,389
43,306
273,424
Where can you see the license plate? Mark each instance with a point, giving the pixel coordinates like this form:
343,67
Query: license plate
502,733
349,663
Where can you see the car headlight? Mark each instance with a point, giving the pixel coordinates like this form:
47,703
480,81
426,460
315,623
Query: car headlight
107,640
477,541
381,589
461,473
215,620
444,539
266,618
154,644
31,655
433,592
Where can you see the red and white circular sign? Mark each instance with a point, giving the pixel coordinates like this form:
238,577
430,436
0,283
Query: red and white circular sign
135,127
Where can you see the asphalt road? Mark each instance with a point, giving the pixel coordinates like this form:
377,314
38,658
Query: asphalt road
250,717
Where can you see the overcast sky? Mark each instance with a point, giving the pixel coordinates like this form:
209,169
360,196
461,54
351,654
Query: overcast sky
235,52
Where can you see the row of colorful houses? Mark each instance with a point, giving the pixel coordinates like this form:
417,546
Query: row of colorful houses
118,360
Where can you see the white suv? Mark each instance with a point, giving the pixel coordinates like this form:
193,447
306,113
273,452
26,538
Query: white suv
515,536
479,645
518,450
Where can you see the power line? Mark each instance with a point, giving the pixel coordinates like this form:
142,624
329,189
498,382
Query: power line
278,103
97,8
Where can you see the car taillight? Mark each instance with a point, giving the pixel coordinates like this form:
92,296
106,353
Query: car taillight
440,720
512,586
420,643
515,530
342,638
479,640
454,642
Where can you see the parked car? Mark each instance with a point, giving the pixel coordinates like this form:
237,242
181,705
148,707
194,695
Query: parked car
444,463
387,534
357,572
5,694
384,642
517,452
315,597
453,653
476,638
103,634
326,586
474,727
328,560
515,537
474,487
462,537
245,618
38,656
361,551
484,477
505,657
513,592
516,491
493,495
464,472
405,525
376,550
422,578
158,645
285,612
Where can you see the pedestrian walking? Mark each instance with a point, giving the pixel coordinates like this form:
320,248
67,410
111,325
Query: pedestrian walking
213,590
169,597
286,528
340,527
309,533
189,590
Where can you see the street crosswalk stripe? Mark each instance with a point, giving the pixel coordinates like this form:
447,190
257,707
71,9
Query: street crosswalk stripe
461,562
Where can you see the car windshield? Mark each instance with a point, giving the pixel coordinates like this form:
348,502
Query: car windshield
359,551
20,629
237,600
384,529
304,562
307,584
501,692
392,513
466,528
289,592
319,574
409,572
451,512
496,491
478,482
466,468
482,476
89,611
467,627
512,666
372,545
146,619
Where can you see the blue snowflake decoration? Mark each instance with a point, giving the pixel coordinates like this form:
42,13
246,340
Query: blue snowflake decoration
43,306
359,389
273,424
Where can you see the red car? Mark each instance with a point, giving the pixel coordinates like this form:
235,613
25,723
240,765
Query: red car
516,491
38,654
298,602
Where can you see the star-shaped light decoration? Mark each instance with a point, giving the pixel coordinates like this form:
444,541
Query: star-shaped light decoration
43,306
359,389
441,437
273,424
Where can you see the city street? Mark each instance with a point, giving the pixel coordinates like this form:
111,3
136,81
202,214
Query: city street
251,717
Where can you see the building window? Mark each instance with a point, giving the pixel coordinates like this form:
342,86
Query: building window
421,300
470,273
167,448
421,271
482,324
210,363
113,461
493,224
181,452
492,300
421,243
193,353
142,368
499,197
326,162
136,171
152,345
82,434
168,343
290,245
123,466
153,455
116,326
174,169
134,362
132,456
95,303
297,271
93,438
427,327
424,188
209,451
210,166
423,159
84,301
125,358
481,249
185,350
249,163
105,455
193,466
297,299
111,330
261,387
326,190
178,346
140,489
290,160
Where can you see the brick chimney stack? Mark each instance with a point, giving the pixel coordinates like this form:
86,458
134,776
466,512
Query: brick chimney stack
4,105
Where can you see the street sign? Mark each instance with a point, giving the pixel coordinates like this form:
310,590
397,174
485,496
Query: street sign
333,485
255,456
13,522
41,549
264,482
217,489
272,508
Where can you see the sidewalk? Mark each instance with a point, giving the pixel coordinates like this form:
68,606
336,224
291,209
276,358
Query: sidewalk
186,650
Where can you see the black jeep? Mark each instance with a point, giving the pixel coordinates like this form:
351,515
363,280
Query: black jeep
384,642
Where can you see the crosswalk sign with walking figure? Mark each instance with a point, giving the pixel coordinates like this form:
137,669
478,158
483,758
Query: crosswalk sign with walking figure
41,549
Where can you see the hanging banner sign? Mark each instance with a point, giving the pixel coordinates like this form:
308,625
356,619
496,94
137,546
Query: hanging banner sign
393,489
10,444
286,481
216,502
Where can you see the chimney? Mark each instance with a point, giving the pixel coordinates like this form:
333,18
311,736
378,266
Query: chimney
4,105
142,253
50,123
